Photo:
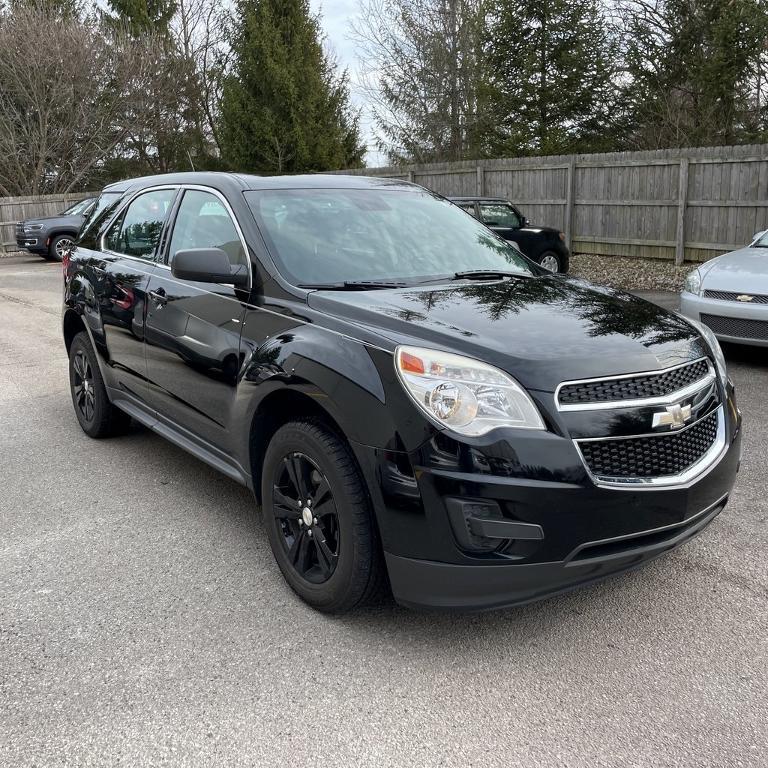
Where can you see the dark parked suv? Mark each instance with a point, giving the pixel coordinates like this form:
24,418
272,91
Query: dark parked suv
51,236
544,245
405,393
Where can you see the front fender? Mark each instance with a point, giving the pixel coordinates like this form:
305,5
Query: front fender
354,382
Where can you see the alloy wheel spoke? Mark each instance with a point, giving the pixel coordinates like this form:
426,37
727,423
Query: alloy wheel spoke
294,465
284,507
325,558
322,493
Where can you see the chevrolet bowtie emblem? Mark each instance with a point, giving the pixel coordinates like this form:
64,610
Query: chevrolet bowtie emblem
745,297
674,416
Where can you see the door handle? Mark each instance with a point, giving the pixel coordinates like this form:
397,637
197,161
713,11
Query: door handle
159,297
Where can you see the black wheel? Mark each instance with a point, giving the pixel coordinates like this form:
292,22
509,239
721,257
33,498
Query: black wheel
58,246
96,414
319,518
551,261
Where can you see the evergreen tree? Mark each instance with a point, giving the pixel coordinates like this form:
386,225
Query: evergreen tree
692,67
551,76
285,108
142,16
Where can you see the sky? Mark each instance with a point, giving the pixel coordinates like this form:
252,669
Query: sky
336,16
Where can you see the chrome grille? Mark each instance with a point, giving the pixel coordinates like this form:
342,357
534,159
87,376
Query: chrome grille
638,387
650,456
729,296
738,327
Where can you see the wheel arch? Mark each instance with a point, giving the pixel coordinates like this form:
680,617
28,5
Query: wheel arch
72,324
276,409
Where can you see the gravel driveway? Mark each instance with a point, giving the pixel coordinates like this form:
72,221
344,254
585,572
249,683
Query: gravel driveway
143,621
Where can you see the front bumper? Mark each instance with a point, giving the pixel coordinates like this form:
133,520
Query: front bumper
573,531
430,585
33,242
755,315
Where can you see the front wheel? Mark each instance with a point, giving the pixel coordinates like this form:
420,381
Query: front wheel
59,245
319,519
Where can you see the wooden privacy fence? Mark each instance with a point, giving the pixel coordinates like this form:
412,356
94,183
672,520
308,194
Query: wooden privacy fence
13,209
681,204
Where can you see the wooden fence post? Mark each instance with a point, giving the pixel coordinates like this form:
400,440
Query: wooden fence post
682,202
569,203
480,181
410,175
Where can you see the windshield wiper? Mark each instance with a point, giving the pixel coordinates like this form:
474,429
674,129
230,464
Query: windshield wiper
355,285
487,274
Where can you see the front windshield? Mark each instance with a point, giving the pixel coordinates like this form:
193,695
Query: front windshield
322,236
77,208
762,241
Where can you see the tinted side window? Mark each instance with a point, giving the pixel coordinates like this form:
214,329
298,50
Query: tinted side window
499,215
203,222
136,232
97,216
468,207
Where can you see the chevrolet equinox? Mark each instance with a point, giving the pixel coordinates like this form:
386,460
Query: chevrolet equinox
413,402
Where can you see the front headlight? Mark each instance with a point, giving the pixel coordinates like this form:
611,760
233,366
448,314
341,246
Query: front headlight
467,396
714,346
32,227
693,283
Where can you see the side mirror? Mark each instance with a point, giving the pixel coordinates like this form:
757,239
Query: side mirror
523,222
208,265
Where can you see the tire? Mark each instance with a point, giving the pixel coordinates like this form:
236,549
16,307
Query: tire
96,414
346,570
57,245
550,258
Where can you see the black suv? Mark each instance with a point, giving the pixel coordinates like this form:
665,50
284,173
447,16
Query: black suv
52,236
544,245
405,393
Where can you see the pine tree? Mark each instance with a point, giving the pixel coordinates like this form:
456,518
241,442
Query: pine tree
142,16
692,67
285,108
550,76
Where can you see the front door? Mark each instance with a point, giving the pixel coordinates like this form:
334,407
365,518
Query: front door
502,218
193,329
120,274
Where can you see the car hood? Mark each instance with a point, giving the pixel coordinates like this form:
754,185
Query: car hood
742,271
533,228
541,330
71,221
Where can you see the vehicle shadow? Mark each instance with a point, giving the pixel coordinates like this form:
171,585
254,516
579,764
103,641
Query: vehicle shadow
745,355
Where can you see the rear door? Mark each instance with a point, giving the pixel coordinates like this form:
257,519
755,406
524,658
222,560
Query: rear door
120,274
193,329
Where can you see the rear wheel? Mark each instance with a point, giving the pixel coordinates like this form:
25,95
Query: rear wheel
551,261
59,245
319,518
96,414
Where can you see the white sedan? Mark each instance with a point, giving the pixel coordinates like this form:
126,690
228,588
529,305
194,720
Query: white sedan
730,294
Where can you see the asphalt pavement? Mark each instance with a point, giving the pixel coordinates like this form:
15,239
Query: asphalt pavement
143,621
